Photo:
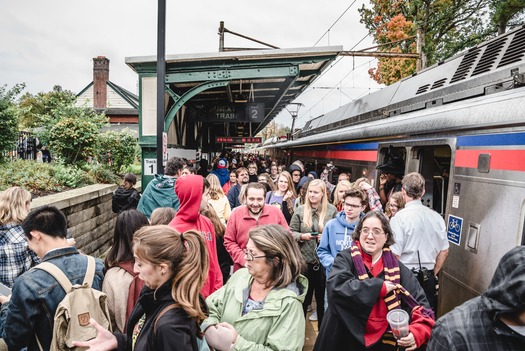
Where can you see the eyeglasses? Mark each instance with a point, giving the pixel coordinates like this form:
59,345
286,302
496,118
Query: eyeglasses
374,232
351,205
250,257
252,167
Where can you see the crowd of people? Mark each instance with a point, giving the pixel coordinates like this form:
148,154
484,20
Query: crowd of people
229,255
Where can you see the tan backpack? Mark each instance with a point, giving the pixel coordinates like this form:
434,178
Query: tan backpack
81,303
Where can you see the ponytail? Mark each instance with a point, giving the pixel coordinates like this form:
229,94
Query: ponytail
191,274
187,256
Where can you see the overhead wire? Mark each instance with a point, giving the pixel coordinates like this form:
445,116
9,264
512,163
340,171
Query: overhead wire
337,20
336,62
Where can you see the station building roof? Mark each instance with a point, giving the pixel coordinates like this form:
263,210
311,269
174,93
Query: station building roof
273,77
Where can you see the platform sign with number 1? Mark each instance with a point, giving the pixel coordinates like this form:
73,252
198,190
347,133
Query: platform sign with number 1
150,166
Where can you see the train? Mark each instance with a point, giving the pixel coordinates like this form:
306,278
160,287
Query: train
461,124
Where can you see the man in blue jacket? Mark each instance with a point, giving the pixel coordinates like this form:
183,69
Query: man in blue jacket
29,311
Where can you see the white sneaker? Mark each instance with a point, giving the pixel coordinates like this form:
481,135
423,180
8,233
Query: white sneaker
313,316
309,308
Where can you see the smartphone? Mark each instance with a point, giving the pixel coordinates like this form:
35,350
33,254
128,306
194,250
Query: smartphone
314,233
4,290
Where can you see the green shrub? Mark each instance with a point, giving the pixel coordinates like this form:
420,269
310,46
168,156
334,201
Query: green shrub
102,175
72,177
29,175
38,177
116,150
73,134
135,168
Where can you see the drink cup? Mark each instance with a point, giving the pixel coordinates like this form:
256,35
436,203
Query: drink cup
398,320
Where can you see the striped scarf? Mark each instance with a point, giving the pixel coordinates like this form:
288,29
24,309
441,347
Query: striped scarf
392,274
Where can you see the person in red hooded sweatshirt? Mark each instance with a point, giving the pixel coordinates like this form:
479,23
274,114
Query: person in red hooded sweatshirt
189,190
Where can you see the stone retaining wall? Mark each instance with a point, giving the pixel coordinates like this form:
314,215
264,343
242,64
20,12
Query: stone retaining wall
89,215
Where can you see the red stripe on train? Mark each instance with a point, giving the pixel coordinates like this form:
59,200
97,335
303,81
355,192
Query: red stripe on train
370,156
507,160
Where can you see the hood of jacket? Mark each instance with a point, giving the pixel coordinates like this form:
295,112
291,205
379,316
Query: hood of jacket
341,219
189,191
223,174
122,192
506,292
163,182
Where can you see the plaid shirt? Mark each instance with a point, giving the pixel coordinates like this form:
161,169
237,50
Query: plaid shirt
15,255
470,327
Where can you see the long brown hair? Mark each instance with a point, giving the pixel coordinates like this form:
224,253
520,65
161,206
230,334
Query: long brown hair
187,256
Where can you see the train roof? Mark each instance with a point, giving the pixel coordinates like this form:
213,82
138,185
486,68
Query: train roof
491,67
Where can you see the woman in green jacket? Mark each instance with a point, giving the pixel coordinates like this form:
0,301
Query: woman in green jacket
260,308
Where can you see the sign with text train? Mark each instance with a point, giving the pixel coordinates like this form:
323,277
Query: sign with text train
245,112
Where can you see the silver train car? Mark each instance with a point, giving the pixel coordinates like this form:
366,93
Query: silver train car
461,124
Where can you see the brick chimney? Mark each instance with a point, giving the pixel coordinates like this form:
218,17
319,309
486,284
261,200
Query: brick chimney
100,77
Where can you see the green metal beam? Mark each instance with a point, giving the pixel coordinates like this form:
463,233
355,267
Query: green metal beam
179,102
232,74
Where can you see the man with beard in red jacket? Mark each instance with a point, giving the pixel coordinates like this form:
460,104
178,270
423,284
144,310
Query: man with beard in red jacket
189,190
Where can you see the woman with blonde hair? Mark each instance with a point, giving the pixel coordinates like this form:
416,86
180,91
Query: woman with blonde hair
217,199
173,266
284,197
342,187
15,255
307,224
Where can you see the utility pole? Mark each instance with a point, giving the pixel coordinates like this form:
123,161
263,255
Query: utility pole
161,74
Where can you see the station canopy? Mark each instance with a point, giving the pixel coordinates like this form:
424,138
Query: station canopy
233,93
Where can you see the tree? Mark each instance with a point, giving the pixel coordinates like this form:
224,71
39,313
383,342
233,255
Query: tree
37,110
73,136
442,28
8,117
503,12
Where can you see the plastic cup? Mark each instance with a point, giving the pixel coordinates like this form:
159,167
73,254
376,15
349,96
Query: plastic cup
398,320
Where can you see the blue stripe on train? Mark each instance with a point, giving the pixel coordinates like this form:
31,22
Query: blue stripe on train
492,139
357,146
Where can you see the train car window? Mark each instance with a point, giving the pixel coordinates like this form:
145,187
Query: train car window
434,166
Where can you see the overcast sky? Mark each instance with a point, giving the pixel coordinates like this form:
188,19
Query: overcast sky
48,43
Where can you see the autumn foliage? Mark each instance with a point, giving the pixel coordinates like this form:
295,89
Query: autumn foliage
390,70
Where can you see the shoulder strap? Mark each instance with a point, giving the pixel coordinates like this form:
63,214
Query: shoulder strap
90,271
162,313
62,279
57,274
